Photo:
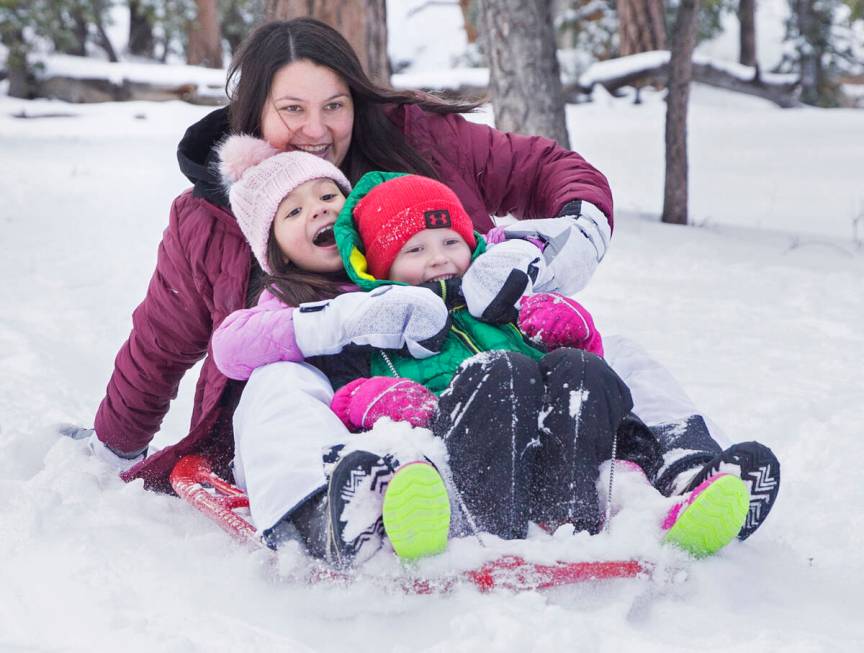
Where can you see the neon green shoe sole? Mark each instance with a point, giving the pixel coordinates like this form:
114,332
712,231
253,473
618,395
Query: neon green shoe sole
417,511
711,517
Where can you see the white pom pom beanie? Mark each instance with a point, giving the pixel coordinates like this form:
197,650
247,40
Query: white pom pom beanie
258,177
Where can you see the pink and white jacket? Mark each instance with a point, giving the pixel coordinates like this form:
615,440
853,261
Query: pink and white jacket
252,337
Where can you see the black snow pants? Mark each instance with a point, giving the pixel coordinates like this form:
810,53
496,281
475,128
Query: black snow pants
525,438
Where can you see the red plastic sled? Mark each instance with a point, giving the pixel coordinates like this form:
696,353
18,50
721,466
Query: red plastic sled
194,480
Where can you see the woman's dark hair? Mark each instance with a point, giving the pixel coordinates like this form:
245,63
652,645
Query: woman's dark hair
376,143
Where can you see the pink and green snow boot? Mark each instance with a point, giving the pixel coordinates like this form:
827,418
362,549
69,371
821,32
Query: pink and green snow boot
710,517
417,511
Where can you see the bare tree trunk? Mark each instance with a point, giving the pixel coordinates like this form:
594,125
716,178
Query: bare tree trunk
205,38
814,20
79,32
677,99
362,22
104,41
21,82
641,26
747,41
524,77
141,40
467,7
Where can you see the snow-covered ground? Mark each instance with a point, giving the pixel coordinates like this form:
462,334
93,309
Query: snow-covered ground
758,312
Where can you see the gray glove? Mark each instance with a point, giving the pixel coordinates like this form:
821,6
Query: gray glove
388,317
500,277
115,460
574,244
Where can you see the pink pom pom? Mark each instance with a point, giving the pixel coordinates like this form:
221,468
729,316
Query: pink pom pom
239,153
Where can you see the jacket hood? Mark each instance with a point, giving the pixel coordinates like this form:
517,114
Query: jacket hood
351,245
198,159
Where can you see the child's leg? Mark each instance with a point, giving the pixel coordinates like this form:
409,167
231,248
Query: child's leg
693,448
281,425
584,405
370,496
488,419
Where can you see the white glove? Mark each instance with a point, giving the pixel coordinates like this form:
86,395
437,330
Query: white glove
388,317
500,277
574,243
101,450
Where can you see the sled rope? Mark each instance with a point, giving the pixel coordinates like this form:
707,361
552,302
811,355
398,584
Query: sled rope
611,481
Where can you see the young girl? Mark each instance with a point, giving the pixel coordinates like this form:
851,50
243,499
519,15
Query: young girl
414,230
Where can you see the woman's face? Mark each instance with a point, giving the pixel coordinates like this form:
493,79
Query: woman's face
309,109
303,226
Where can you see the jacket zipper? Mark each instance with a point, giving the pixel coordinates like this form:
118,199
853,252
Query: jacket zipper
466,338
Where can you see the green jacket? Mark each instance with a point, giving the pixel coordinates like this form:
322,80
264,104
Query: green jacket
467,335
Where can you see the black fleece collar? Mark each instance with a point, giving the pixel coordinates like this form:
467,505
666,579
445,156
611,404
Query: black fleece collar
197,157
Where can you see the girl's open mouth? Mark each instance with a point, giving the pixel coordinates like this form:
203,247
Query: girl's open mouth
325,237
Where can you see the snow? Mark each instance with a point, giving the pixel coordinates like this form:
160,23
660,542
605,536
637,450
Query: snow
757,312
85,68
613,68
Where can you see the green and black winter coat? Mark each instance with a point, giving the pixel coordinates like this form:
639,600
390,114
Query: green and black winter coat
466,337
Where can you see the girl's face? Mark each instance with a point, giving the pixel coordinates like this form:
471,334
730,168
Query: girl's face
430,255
303,226
309,109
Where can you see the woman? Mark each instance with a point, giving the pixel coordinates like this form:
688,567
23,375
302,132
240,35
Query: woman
298,85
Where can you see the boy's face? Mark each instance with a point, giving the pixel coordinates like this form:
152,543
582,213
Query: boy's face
303,226
430,255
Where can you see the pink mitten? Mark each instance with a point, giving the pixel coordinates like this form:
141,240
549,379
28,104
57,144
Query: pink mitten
554,320
364,401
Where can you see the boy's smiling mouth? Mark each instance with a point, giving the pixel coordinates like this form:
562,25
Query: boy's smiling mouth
442,277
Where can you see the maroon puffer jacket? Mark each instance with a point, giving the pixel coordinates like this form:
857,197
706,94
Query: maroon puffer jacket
203,269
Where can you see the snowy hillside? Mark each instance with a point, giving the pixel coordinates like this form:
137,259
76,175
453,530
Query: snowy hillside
762,326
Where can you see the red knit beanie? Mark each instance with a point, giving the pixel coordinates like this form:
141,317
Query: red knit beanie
390,214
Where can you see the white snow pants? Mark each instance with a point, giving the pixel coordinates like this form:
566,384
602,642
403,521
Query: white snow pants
281,427
283,423
657,397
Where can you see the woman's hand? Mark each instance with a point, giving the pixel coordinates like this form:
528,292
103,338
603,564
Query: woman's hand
554,321
364,401
388,317
573,244
116,461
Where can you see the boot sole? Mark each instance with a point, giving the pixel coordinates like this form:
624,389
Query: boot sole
760,471
712,518
417,511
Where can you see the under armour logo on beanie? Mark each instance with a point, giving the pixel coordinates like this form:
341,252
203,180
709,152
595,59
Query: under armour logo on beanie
394,211
438,219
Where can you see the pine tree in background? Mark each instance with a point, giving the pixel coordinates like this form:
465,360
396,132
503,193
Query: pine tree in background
142,18
747,33
826,46
641,26
239,17
524,76
362,22
13,21
683,38
205,36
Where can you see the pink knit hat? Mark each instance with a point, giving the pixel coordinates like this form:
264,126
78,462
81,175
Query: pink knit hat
258,177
